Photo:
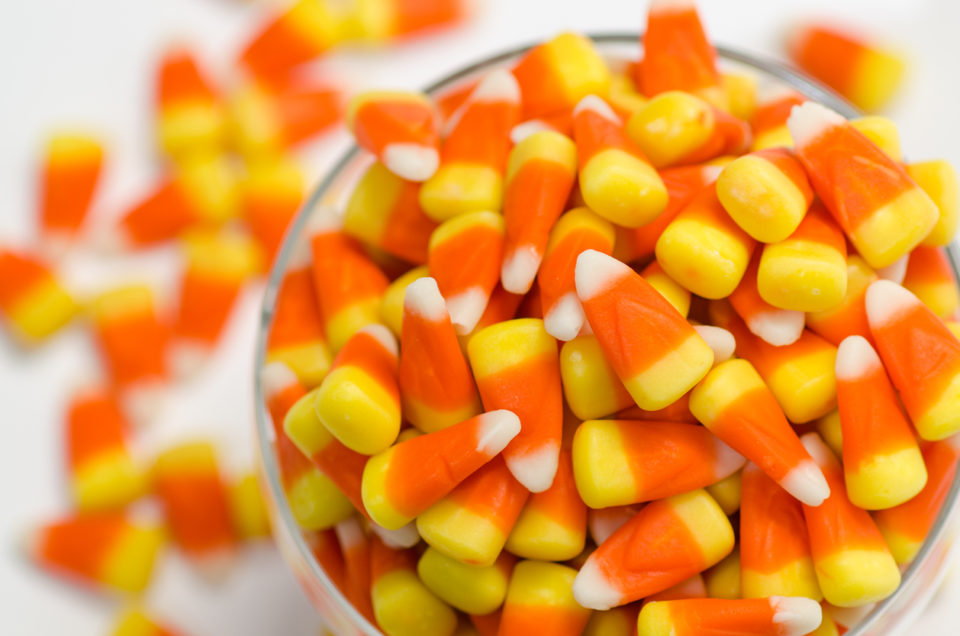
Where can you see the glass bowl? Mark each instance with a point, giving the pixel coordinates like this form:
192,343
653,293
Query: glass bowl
891,616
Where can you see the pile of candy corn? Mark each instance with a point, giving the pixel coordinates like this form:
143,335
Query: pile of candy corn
596,347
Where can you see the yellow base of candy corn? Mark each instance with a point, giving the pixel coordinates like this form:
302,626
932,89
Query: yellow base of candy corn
373,491
714,533
723,579
619,621
762,200
129,563
210,183
189,127
806,388
875,80
741,94
622,188
248,508
778,137
110,480
316,502
309,361
579,67
671,126
895,228
357,410
667,379
368,211
430,420
537,536
624,95
590,385
726,492
458,188
830,430
601,467
707,261
802,276
882,132
303,427
851,578
675,293
941,419
939,180
655,620
469,588
135,623
41,312
403,606
942,298
460,533
902,547
798,578
350,320
886,480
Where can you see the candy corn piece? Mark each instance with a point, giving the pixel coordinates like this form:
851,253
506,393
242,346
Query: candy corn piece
541,170
132,342
359,399
735,404
196,507
921,355
557,74
808,270
270,195
930,277
190,116
703,249
69,176
103,473
852,561
399,19
663,357
905,527
474,154
473,522
769,516
939,180
391,305
882,132
769,121
517,367
104,550
849,318
248,509
348,286
616,180
217,266
406,479
590,385
400,129
32,300
553,524
675,294
135,622
355,548
540,597
464,257
666,542
766,192
723,579
862,71
676,52
880,208
774,616
771,324
882,465
619,462
469,588
268,119
436,385
296,335
402,603
384,211
576,231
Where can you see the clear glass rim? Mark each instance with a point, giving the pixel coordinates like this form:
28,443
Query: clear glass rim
797,80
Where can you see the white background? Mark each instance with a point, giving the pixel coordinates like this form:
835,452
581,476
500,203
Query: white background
89,62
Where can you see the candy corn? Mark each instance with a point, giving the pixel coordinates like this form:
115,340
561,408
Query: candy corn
400,129
190,116
135,622
769,121
69,175
930,277
270,195
32,300
676,52
248,509
723,579
469,588
726,492
780,615
540,598
939,180
882,132
771,324
849,318
590,385
355,548
296,335
672,128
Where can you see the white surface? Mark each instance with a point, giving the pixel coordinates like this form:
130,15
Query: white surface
89,62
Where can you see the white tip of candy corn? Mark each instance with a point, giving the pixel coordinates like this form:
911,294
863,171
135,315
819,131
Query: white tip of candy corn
495,430
466,308
535,469
806,482
896,271
595,272
855,358
520,268
720,340
795,615
728,461
275,377
399,539
592,589
596,105
564,320
886,300
413,162
809,120
187,358
384,336
660,6
497,86
424,299
521,131
778,328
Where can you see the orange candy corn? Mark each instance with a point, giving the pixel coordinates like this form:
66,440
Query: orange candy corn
921,355
69,176
905,527
474,154
270,195
355,548
676,52
882,465
400,129
296,335
853,563
576,231
464,258
539,597
517,367
930,277
409,477
666,542
436,385
769,516
104,550
856,68
540,173
849,318
771,324
194,498
103,474
190,117
619,462
880,208
774,616
663,356
32,301
769,121
615,178
735,404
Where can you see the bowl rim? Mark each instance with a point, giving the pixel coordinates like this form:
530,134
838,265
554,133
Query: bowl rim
795,79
